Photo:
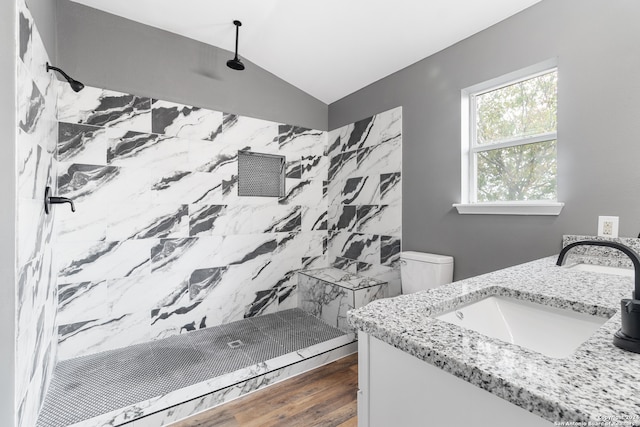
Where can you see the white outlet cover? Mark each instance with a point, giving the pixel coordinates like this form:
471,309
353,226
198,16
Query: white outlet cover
608,226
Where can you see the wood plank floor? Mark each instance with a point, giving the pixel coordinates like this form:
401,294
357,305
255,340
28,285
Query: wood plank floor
323,397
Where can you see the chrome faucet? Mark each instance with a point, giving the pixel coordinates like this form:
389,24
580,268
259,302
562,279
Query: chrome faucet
628,336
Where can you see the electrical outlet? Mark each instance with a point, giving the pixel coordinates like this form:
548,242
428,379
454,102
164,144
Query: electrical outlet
608,226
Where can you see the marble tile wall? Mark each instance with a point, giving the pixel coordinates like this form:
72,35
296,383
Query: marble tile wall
365,197
36,299
161,243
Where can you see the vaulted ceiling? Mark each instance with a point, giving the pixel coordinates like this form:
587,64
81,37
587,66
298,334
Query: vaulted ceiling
327,48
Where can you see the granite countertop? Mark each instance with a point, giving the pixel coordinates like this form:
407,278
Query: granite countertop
596,383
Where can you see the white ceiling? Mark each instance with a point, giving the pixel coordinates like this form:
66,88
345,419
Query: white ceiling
327,48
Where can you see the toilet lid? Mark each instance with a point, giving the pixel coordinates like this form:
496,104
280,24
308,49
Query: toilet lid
426,257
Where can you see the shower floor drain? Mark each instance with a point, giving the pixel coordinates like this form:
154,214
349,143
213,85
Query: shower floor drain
235,344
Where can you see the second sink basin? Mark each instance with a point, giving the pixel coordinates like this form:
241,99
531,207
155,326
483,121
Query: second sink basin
548,330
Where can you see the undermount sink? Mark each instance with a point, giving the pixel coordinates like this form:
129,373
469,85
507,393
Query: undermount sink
618,271
551,331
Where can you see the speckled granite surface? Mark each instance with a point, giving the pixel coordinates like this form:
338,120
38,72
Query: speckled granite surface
599,380
600,255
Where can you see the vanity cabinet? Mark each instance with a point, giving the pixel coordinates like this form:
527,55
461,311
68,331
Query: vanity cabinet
397,389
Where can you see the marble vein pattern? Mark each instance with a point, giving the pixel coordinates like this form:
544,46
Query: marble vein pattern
173,119
256,281
299,140
357,191
207,156
346,264
82,143
314,218
244,219
329,303
314,167
184,187
106,108
342,166
250,134
342,278
81,261
31,109
598,381
381,158
144,221
78,181
35,291
155,186
362,247
364,192
148,151
73,299
294,169
329,293
381,128
390,188
343,217
389,274
389,250
379,219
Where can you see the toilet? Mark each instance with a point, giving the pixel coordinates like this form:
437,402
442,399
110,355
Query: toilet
420,271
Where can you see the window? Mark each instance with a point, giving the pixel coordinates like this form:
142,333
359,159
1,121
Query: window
509,148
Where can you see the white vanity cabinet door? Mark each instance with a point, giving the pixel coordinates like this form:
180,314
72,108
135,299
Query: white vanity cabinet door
397,389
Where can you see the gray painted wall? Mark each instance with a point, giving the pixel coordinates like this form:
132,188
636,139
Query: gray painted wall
7,212
107,51
44,15
596,43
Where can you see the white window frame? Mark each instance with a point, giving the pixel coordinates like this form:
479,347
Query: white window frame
469,204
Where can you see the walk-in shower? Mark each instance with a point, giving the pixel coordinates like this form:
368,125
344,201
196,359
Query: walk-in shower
168,291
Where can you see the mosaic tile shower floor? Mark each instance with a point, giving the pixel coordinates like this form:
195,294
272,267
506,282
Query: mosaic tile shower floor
88,386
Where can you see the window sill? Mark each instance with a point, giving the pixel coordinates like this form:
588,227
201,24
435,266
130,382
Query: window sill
510,208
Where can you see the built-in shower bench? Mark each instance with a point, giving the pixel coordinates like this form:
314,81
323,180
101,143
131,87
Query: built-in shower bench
328,293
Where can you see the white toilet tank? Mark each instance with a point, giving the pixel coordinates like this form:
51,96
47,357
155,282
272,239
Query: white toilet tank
420,271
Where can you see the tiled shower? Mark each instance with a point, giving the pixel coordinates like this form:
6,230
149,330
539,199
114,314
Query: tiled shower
161,244
36,134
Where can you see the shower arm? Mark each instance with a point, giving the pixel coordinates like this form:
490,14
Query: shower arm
65,75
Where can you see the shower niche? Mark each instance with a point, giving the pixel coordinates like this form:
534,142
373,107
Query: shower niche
261,175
